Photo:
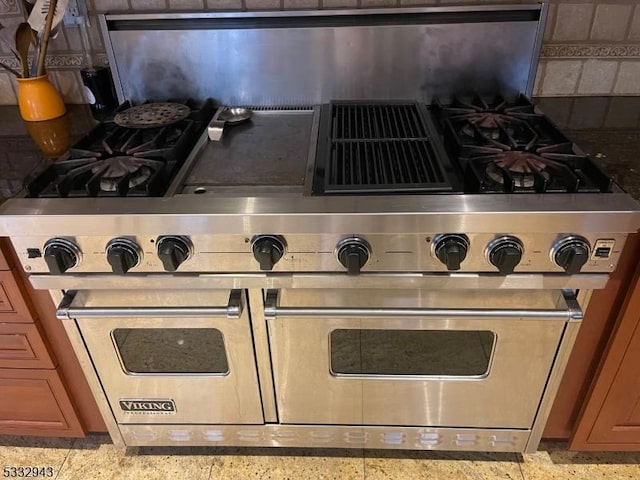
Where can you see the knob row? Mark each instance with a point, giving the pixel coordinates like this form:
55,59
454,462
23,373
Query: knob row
504,253
123,254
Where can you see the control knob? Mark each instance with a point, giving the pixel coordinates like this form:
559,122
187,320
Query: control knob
451,249
353,253
123,254
571,253
173,251
268,250
505,253
61,255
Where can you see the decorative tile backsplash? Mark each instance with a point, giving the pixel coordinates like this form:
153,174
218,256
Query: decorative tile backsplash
591,47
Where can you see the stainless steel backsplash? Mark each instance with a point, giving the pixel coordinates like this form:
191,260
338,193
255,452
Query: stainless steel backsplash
305,58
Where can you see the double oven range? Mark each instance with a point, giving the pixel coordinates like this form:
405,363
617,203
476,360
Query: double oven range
382,272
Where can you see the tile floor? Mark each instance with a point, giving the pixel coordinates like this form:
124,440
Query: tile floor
95,458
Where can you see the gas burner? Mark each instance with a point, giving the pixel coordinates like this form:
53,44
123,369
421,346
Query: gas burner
520,108
109,139
506,147
522,167
117,161
94,177
478,127
549,169
113,171
490,125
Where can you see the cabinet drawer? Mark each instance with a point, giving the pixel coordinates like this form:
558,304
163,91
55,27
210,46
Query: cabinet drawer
13,307
35,402
6,261
21,346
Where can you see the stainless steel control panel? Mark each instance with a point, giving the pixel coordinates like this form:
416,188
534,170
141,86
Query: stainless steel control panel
314,253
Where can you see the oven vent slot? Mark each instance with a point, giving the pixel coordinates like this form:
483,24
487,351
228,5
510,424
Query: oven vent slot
466,439
321,436
251,436
381,148
356,438
213,435
429,439
284,435
393,438
144,436
503,441
179,435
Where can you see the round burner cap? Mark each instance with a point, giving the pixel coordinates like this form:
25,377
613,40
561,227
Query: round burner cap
151,115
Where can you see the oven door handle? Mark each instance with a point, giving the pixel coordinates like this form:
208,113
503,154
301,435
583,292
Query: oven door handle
67,311
572,312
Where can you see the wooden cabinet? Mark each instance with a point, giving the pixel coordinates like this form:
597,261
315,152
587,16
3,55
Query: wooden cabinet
33,397
13,307
610,418
35,402
599,321
22,346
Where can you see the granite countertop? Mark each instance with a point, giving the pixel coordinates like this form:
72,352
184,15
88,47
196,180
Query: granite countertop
617,151
19,154
606,127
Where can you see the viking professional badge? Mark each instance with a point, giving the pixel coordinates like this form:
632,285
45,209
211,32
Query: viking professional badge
148,405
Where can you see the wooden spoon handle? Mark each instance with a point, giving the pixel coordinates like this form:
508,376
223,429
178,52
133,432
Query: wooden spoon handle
45,37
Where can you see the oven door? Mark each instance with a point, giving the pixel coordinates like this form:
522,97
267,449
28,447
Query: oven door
448,359
175,358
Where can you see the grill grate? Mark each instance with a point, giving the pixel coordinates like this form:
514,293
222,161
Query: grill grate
381,148
379,122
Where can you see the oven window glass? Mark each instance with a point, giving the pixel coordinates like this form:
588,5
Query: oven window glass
171,350
460,353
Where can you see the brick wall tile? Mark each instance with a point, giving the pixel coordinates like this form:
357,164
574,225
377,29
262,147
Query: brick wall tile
610,22
95,35
573,21
634,32
628,78
110,5
598,77
561,77
301,3
7,92
339,3
10,7
58,42
148,4
417,3
262,4
74,39
378,3
224,4
551,22
186,4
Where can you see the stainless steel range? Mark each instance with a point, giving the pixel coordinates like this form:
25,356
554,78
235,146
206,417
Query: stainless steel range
392,264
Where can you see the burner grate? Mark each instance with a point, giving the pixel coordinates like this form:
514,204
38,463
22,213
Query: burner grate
380,148
115,161
508,147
